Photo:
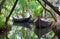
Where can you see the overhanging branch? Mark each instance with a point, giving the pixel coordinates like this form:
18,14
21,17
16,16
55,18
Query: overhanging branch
48,11
48,3
11,11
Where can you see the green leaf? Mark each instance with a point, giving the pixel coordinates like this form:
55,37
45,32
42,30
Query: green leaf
22,2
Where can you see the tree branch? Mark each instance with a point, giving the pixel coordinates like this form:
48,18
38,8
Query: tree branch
53,7
11,11
1,5
48,11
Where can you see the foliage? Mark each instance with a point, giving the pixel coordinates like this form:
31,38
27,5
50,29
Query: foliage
22,8
2,20
36,8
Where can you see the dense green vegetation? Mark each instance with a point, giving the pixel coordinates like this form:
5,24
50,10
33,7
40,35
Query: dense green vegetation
23,9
